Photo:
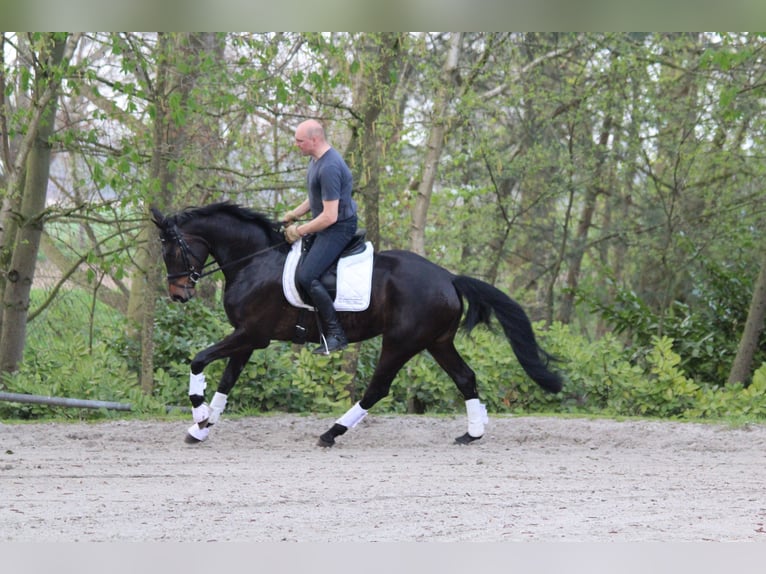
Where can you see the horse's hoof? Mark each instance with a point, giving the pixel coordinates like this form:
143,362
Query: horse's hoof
189,439
326,440
466,439
195,434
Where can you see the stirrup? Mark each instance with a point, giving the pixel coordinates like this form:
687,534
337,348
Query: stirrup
334,344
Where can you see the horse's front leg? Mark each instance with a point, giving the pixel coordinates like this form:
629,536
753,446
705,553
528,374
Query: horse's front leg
205,415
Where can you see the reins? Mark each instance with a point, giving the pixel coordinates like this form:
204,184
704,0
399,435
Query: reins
240,260
192,273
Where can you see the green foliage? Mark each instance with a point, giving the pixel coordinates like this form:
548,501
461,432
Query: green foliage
65,358
423,381
732,401
666,392
180,331
74,370
280,378
595,371
705,330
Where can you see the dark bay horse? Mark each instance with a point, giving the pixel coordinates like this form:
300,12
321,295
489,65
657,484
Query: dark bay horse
415,305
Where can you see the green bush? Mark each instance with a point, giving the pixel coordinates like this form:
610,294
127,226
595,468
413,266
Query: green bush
180,332
601,377
70,353
704,329
663,391
596,372
75,369
72,357
732,401
280,378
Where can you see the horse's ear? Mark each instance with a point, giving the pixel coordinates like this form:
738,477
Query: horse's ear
158,218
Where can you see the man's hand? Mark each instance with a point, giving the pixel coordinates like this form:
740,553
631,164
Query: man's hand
289,217
291,233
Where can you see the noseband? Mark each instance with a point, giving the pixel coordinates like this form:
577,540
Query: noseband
193,272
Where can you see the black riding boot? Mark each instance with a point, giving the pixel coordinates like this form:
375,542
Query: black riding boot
333,339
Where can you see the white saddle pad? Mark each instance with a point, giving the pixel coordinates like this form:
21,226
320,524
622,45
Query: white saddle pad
354,279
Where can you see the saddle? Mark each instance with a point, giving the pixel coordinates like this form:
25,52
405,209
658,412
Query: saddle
348,281
330,277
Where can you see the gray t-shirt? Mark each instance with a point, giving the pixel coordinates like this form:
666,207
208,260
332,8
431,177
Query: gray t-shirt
327,179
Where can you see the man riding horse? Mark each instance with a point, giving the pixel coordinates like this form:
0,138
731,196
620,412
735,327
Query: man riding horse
333,225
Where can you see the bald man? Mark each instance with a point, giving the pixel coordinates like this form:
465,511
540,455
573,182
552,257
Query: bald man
333,224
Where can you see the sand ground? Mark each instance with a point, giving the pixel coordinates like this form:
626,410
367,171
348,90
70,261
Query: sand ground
393,478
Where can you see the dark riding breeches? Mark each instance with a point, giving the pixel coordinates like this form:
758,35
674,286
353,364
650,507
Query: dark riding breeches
328,245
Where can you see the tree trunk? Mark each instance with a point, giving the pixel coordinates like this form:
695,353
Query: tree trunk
25,245
146,292
435,144
434,148
372,96
373,93
583,228
16,149
740,370
169,138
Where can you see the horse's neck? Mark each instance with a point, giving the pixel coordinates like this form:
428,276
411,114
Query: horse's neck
229,249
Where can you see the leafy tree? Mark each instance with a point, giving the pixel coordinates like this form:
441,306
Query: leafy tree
611,182
27,182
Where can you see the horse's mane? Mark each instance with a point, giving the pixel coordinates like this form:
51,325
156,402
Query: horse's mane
236,211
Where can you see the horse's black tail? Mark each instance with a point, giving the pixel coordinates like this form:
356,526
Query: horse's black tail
483,299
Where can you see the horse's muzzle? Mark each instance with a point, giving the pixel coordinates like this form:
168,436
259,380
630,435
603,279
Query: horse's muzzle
180,293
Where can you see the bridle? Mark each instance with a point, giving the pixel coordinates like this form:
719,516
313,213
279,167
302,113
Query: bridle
197,272
194,271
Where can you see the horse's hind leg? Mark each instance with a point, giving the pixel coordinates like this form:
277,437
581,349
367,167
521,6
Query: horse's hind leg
390,362
450,360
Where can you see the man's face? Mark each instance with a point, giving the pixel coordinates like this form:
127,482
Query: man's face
304,142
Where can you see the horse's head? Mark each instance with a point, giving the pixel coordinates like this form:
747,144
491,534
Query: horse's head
184,255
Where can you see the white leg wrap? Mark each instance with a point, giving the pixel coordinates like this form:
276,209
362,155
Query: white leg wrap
477,417
197,384
198,433
217,406
201,413
352,417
